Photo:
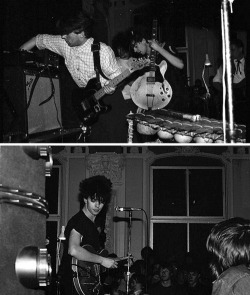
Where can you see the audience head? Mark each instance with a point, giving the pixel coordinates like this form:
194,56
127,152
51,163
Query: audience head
193,275
165,271
121,45
229,244
137,282
146,252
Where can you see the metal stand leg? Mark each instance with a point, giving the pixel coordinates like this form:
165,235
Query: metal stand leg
129,251
84,134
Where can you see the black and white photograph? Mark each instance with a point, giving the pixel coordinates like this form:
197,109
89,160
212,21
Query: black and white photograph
125,147
125,71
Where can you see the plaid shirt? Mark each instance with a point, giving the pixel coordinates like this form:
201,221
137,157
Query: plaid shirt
79,59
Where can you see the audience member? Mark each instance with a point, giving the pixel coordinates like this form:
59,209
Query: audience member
165,285
137,284
229,246
194,285
238,80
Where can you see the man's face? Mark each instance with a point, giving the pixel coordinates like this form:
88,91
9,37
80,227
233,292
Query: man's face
141,47
94,206
73,39
236,52
193,278
164,274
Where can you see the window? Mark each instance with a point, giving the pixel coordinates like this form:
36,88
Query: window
52,194
186,201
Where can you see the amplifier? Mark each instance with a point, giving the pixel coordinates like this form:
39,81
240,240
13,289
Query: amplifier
31,59
22,120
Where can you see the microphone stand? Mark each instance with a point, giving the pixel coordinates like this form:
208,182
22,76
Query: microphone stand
58,258
207,94
227,64
129,251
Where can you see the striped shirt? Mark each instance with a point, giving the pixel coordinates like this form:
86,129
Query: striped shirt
79,59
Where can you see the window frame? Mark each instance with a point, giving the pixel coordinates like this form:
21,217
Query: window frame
186,219
57,217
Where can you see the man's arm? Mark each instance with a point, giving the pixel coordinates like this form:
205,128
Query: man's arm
80,253
174,60
28,45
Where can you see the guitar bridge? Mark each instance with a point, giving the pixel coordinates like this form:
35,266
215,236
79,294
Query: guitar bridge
151,79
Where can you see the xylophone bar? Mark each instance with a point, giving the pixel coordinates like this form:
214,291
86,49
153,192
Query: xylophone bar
183,128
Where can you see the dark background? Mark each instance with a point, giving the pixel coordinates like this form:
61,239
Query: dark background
23,19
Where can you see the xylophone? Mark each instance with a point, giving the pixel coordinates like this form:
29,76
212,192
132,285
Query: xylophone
179,127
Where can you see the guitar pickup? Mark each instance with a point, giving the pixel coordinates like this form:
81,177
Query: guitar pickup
151,79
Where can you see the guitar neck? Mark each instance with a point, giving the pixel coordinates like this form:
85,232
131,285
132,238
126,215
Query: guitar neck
152,66
153,52
113,83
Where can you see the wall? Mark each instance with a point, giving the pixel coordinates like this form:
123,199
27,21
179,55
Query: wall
241,187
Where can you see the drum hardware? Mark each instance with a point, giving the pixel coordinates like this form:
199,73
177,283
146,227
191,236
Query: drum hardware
33,267
85,132
36,152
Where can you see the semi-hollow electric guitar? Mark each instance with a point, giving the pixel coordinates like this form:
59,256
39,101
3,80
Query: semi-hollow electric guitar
88,106
152,91
87,275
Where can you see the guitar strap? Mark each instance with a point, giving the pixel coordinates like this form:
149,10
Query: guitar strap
95,48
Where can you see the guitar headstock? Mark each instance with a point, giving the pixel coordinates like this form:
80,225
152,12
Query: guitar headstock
136,64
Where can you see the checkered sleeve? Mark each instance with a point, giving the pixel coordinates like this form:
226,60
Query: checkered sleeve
108,61
52,42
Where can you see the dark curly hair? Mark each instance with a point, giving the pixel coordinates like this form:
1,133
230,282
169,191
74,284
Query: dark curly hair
229,244
97,188
76,22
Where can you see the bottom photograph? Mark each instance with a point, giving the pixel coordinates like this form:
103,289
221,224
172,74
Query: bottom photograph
124,219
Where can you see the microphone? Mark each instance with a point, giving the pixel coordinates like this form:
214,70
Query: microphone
62,236
117,208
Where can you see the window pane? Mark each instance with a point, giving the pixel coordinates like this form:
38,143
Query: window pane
170,241
51,190
206,192
51,235
169,192
198,237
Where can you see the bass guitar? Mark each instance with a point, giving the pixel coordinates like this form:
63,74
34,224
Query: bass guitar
88,107
152,91
87,275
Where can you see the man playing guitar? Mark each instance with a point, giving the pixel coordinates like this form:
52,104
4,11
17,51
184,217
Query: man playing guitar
144,44
83,243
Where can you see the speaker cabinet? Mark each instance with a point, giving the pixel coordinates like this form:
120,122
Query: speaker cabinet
23,92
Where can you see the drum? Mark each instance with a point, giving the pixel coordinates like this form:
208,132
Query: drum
22,208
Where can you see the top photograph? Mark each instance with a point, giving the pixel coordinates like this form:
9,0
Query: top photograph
125,72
